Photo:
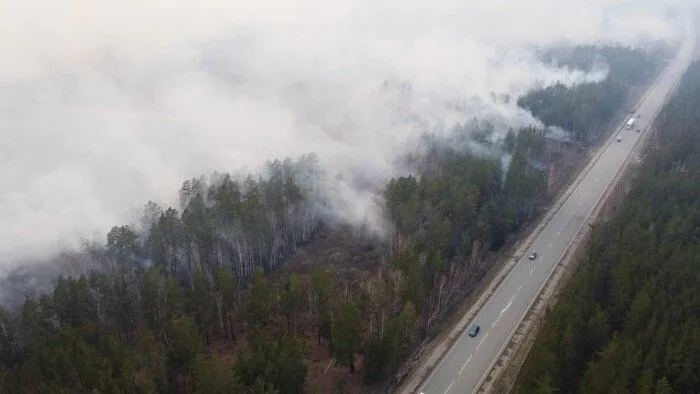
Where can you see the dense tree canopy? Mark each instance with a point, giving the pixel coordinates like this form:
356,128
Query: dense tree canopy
142,321
193,298
462,205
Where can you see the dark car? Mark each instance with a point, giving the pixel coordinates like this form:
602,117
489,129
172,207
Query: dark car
532,255
474,330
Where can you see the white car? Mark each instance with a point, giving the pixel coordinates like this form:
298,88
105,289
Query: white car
619,139
532,255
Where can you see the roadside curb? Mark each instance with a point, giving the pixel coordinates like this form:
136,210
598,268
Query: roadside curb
440,351
521,339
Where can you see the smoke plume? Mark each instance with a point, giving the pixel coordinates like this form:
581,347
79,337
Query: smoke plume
108,104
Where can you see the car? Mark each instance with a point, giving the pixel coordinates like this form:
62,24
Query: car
532,255
619,139
474,330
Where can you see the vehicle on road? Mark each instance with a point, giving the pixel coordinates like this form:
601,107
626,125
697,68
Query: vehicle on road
457,369
532,255
619,139
474,330
630,123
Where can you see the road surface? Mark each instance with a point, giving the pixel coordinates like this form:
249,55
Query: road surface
464,367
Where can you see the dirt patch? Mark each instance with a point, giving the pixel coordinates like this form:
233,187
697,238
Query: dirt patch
229,350
340,249
325,375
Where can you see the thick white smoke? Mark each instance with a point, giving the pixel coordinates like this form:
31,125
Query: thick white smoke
107,104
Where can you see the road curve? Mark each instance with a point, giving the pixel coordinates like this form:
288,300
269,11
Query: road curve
465,366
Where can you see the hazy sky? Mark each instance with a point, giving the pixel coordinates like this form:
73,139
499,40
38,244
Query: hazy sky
105,104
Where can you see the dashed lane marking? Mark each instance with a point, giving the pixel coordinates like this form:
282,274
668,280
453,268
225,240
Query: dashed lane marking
448,389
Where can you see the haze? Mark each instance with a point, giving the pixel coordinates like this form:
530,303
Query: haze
105,105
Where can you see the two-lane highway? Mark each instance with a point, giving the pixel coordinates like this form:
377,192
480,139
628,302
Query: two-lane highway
464,367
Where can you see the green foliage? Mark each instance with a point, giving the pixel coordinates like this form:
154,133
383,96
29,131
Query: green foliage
242,223
70,359
260,302
184,345
164,239
8,338
346,333
123,243
293,298
375,360
628,321
153,369
277,361
73,302
460,201
226,305
383,355
162,300
439,208
322,288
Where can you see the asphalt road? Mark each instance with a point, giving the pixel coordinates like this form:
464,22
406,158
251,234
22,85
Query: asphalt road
465,365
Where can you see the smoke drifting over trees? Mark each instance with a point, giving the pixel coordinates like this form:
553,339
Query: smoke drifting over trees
251,130
108,105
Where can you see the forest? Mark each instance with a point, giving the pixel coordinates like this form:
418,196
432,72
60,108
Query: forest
586,108
135,327
195,298
629,320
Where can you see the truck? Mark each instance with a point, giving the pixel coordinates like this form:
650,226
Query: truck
630,123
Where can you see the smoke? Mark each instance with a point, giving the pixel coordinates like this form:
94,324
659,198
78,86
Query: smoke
557,133
108,104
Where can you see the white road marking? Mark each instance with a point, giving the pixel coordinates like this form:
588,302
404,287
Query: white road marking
559,233
482,341
465,364
448,353
502,310
550,245
531,272
650,96
510,302
329,365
